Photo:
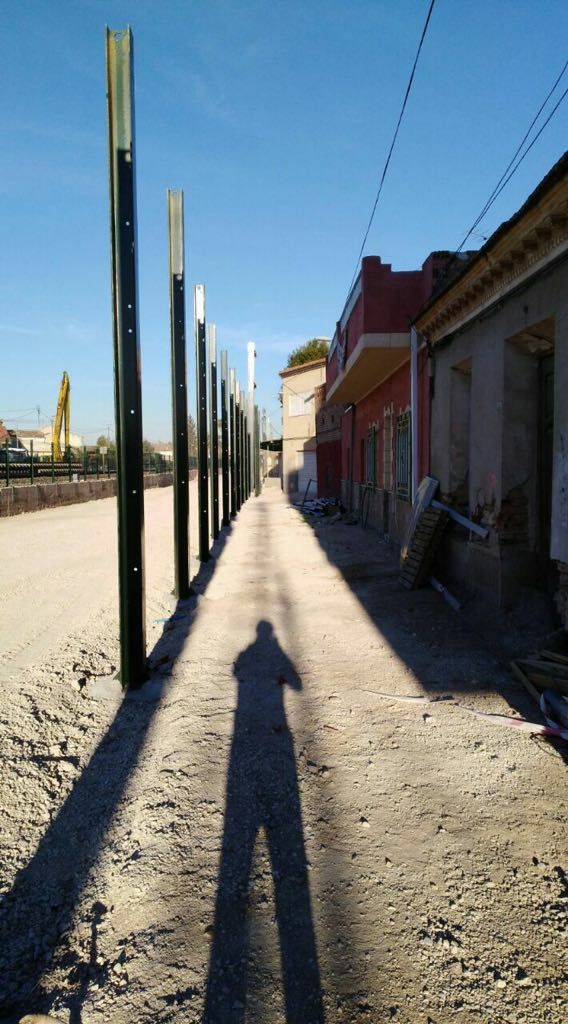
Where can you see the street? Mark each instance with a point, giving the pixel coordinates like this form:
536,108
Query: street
266,831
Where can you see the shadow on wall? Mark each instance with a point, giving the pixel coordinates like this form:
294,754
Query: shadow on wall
262,793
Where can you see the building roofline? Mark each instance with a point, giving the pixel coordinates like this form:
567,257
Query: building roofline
554,175
289,370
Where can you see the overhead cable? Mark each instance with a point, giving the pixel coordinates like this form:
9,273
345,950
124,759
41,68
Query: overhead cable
512,167
392,145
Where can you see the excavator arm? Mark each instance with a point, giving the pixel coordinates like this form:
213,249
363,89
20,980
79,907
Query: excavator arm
63,413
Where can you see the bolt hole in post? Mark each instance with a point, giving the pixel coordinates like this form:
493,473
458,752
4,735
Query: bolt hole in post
201,392
128,398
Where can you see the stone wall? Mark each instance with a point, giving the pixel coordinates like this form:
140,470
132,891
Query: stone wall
34,497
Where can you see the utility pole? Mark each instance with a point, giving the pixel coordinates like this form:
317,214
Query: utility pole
127,375
179,393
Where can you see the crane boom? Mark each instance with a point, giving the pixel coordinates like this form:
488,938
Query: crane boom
63,413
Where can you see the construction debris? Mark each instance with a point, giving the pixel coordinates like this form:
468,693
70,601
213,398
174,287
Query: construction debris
451,600
469,524
543,671
416,563
319,506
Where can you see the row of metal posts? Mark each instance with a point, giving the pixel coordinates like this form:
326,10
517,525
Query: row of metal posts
239,436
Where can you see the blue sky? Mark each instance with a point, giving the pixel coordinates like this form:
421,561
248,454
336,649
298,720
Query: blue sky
275,117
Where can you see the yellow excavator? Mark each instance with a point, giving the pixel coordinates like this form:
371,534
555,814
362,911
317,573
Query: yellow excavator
63,412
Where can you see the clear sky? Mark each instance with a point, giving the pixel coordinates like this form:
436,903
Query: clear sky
275,117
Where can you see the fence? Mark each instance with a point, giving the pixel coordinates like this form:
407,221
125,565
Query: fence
77,466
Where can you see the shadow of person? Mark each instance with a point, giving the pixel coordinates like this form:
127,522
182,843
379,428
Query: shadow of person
262,791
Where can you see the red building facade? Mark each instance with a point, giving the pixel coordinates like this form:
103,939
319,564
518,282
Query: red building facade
382,440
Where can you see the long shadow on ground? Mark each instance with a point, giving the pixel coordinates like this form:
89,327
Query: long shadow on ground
262,792
466,652
40,905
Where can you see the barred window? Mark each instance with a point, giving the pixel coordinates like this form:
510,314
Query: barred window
371,457
387,453
403,456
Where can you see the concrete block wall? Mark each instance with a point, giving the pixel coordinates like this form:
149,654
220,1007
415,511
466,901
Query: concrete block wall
33,497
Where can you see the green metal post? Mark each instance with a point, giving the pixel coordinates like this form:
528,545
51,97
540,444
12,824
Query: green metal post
31,461
233,443
179,392
201,391
225,440
242,450
238,463
84,462
127,372
214,430
69,466
257,480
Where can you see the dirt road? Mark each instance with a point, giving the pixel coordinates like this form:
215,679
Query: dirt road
259,835
58,575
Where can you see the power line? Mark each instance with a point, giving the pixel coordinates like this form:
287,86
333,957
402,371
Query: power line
512,167
394,138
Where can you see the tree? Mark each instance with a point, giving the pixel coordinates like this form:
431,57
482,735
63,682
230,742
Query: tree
316,348
148,448
105,442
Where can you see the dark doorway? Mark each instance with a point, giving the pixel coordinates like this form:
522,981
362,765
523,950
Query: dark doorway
545,452
262,793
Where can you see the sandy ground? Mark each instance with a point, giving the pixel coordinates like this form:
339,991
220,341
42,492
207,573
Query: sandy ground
258,835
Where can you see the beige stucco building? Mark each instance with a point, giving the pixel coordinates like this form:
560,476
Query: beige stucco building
497,339
299,465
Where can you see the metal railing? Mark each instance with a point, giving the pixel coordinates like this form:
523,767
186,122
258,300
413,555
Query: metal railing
75,466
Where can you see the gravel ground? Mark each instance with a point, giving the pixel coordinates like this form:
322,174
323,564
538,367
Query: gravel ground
258,835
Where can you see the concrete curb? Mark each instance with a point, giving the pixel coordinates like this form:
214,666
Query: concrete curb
14,500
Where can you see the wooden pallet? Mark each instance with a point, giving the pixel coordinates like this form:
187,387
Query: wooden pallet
415,566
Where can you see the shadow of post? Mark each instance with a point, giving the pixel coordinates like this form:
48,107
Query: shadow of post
262,792
40,905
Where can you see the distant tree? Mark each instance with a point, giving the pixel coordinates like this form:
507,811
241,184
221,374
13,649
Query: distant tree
191,438
316,348
148,448
105,442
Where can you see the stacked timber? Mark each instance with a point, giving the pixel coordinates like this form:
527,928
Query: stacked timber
418,554
547,670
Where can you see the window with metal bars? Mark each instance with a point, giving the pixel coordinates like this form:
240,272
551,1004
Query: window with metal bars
403,456
371,457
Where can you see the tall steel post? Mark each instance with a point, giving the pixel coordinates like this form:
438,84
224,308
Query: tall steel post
257,476
247,455
225,439
127,369
179,392
243,449
238,446
214,431
201,391
233,442
251,357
